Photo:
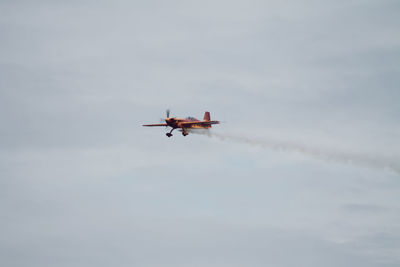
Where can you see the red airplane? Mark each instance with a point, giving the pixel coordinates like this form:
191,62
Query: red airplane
186,124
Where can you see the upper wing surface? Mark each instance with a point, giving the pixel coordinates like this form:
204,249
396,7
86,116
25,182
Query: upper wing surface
158,124
199,123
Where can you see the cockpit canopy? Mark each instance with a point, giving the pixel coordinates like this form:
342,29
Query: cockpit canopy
191,118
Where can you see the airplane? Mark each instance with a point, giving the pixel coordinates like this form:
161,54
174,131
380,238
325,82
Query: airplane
185,124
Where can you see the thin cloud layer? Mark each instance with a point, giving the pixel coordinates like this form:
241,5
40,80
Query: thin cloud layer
83,184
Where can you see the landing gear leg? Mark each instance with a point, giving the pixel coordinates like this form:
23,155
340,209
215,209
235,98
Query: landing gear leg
170,133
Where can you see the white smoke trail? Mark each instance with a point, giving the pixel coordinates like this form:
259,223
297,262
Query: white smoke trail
328,154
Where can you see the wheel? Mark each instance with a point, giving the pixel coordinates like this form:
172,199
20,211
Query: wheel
168,134
184,134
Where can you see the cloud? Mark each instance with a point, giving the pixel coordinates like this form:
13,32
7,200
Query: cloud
364,208
82,183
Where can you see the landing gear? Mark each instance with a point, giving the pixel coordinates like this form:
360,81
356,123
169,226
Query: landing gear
184,133
170,133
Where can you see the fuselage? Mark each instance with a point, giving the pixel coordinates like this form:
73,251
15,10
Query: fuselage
177,123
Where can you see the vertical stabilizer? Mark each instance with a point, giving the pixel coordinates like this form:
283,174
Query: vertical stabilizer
207,116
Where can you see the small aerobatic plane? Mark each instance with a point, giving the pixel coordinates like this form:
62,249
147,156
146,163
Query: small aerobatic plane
186,124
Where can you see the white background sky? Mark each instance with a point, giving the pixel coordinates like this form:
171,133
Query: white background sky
82,183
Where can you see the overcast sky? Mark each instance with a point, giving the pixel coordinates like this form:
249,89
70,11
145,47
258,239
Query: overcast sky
304,171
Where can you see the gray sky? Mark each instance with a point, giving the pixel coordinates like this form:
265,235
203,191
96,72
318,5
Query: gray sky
83,184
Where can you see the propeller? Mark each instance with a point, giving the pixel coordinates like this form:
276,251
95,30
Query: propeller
163,120
167,113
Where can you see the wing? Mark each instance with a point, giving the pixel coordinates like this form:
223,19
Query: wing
152,125
198,123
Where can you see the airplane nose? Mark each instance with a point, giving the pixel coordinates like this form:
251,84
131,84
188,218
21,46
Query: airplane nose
169,120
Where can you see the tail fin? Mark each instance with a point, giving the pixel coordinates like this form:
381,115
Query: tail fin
207,116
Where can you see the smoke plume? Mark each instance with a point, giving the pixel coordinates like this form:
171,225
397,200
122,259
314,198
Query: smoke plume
323,153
